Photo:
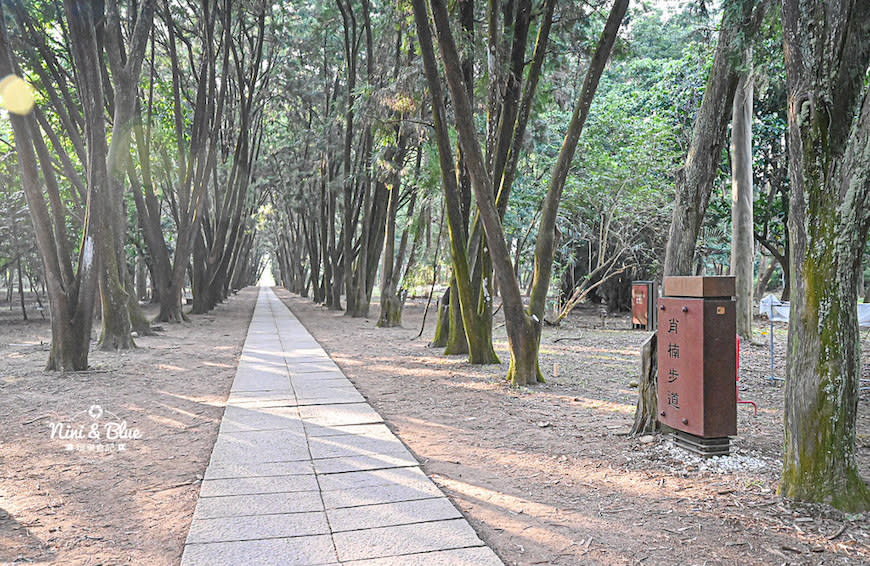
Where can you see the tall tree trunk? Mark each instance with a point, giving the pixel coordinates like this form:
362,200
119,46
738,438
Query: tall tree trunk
523,327
766,267
141,278
374,225
125,62
391,303
21,289
453,326
742,253
84,24
442,321
391,307
480,350
71,295
457,340
545,245
351,50
827,54
694,181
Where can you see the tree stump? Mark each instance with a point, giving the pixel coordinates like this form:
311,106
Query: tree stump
645,417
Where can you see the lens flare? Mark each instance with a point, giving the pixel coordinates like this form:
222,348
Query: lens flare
16,95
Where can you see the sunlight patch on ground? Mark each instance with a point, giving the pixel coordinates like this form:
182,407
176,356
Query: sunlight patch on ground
181,411
609,406
172,423
479,385
429,424
506,501
592,520
251,354
170,367
405,371
211,401
217,365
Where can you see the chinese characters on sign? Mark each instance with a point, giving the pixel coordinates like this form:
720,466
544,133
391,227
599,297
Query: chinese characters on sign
673,353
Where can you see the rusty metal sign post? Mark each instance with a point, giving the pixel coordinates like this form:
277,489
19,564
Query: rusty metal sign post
697,390
643,305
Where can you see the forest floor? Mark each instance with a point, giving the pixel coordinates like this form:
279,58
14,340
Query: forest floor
546,474
131,506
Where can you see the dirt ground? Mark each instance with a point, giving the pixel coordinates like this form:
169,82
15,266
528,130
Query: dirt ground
547,474
113,507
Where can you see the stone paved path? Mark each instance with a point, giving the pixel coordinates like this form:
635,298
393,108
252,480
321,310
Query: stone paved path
305,472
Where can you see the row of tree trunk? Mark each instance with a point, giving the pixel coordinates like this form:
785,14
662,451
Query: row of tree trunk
339,250
100,128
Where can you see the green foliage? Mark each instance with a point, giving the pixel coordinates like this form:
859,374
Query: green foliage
617,199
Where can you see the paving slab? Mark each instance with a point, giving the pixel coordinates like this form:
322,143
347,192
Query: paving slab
340,415
254,379
259,504
409,477
247,418
396,541
305,472
373,495
353,445
303,367
260,446
373,430
253,527
391,514
363,463
263,398
479,556
295,551
223,470
330,396
260,484
315,377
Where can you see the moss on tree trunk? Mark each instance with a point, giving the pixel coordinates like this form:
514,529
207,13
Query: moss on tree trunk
827,58
457,343
524,342
442,323
391,312
821,394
